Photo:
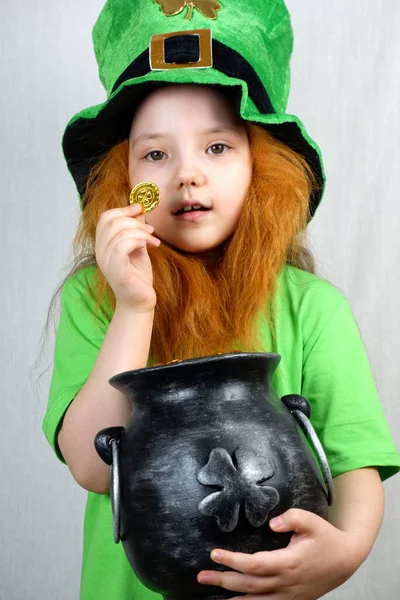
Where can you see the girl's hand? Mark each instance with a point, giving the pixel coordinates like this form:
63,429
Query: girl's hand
122,237
318,559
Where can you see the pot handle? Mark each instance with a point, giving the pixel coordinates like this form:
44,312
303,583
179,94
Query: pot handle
106,443
301,410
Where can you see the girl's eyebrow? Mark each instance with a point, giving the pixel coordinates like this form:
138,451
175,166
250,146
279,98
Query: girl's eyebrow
222,129
147,136
144,137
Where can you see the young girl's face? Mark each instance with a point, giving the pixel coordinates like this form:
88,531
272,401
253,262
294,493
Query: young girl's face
188,140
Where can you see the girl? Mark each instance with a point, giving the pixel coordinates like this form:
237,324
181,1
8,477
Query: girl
220,265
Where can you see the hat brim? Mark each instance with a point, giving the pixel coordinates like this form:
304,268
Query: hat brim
94,130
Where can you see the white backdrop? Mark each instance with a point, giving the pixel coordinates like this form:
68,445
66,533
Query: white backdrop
345,88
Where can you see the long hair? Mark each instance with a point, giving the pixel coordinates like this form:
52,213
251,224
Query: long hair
207,306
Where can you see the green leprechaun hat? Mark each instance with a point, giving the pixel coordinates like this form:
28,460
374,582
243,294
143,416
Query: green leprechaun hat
242,45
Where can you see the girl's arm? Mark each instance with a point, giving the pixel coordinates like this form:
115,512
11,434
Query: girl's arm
321,555
122,237
358,508
98,405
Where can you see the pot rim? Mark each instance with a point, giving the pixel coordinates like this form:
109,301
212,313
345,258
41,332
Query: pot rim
237,356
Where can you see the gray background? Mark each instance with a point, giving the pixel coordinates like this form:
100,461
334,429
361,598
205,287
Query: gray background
345,88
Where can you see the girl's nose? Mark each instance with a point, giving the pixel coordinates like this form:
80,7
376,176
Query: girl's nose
189,175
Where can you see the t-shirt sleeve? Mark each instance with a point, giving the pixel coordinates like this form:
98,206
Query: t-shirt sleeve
80,335
346,410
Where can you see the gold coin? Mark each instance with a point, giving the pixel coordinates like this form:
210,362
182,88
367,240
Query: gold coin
147,194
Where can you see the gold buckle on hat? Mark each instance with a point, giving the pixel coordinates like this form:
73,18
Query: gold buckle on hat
157,51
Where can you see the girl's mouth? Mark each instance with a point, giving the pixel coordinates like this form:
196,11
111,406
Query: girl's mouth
191,215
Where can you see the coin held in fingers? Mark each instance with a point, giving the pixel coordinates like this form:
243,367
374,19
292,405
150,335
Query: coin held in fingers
147,194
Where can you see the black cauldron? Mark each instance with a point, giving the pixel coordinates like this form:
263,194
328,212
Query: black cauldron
208,457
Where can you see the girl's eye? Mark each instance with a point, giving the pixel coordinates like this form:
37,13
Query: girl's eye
155,155
217,149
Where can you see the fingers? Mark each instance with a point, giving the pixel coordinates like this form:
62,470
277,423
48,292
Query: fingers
127,242
297,520
257,597
138,212
133,210
261,564
282,573
259,573
130,234
122,241
111,220
271,596
238,582
116,225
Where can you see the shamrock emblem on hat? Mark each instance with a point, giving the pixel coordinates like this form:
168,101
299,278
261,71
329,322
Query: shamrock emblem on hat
241,484
208,8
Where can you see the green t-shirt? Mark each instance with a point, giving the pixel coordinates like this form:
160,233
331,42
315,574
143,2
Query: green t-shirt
323,359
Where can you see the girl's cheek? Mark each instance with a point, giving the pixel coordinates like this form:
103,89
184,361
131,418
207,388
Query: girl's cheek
155,218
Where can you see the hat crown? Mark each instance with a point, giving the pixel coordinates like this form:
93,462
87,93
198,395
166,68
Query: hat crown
124,28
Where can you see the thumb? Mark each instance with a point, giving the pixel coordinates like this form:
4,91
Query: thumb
297,520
